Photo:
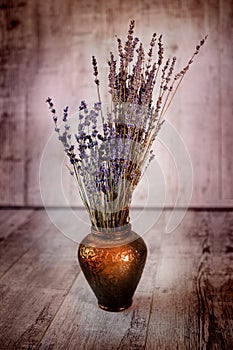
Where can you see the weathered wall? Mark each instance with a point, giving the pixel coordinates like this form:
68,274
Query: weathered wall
46,49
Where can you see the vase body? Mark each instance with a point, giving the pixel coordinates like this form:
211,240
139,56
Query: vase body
112,263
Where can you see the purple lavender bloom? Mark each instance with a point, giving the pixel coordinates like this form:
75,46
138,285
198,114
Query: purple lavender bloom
100,137
65,114
97,106
112,132
83,105
94,133
92,114
83,154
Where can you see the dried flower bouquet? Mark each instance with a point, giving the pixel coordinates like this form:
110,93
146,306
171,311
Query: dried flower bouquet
111,147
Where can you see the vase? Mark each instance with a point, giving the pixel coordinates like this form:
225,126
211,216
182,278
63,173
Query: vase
112,262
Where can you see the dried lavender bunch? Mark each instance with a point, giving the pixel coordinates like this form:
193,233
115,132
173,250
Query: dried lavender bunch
110,150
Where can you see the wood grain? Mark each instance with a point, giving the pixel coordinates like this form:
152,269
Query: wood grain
215,284
10,223
46,50
22,237
193,291
38,267
225,92
16,58
25,314
184,299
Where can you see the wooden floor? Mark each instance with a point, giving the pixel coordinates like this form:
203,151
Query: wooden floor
184,299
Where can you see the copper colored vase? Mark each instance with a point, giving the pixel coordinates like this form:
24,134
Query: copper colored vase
112,263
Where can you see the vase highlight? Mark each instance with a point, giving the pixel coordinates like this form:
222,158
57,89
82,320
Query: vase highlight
112,262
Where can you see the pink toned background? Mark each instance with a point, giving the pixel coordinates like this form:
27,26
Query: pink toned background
46,49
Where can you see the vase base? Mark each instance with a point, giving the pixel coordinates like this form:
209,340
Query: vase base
115,309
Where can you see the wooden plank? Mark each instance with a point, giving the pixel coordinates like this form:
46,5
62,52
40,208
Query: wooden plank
25,314
16,58
214,285
172,321
24,236
43,255
76,40
12,132
192,292
13,243
4,215
52,35
72,223
34,49
42,270
16,218
35,35
192,101
225,91
105,330
40,275
12,182
184,299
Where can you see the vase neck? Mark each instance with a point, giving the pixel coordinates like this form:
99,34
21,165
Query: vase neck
112,232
